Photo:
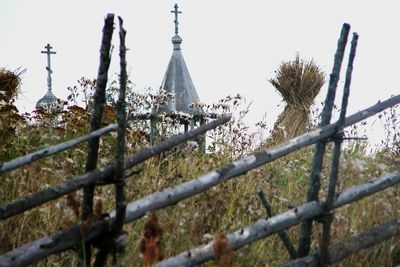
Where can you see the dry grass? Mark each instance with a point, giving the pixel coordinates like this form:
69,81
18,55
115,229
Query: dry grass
221,210
298,82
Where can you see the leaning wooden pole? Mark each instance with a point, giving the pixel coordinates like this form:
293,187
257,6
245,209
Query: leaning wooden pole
99,99
120,202
314,182
325,239
283,235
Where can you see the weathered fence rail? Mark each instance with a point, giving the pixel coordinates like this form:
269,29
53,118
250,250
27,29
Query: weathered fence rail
46,152
352,244
125,213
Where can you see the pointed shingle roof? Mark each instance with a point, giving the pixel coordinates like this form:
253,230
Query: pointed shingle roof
178,82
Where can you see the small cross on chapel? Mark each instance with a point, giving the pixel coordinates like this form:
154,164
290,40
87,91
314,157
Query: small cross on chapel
176,12
49,101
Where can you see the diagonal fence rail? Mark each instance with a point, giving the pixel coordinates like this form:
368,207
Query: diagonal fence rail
125,213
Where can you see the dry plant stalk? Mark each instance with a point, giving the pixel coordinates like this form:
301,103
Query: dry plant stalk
298,82
219,246
74,204
150,245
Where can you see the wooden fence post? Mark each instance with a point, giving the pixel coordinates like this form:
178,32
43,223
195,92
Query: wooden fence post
314,182
335,160
111,239
120,201
99,99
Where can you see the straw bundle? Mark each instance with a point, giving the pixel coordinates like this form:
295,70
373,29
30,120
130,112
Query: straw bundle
9,84
298,82
9,118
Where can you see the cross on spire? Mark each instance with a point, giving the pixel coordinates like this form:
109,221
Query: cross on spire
176,12
48,68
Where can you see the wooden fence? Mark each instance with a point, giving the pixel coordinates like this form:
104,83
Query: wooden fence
107,232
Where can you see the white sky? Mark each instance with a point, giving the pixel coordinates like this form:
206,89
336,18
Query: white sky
229,46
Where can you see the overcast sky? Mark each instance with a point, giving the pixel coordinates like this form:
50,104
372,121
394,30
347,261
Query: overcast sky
229,46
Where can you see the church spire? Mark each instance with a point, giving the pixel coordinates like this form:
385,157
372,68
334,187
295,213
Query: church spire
177,80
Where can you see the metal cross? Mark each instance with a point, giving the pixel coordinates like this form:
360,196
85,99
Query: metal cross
48,68
176,12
